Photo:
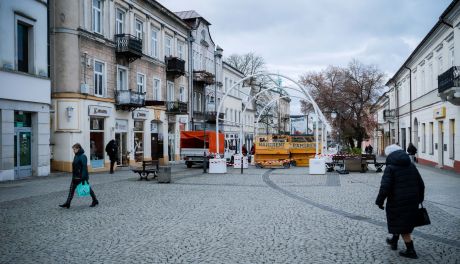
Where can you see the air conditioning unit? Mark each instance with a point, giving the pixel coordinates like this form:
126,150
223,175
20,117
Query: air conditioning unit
84,88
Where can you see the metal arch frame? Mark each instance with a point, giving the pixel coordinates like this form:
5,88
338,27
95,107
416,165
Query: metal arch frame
323,131
318,112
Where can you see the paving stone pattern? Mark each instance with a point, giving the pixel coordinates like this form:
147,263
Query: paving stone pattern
262,216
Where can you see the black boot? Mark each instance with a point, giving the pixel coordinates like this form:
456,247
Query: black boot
94,203
393,242
409,252
65,205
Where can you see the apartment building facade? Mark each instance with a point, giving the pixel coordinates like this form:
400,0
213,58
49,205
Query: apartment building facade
25,90
422,105
119,71
206,73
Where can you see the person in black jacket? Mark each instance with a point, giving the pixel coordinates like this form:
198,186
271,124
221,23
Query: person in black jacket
412,150
112,150
79,174
403,188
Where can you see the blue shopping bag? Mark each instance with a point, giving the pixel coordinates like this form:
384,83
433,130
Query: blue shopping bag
83,189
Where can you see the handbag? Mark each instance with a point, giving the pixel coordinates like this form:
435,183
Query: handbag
83,189
422,217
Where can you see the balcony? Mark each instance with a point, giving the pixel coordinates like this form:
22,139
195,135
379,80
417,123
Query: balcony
176,108
129,100
128,46
175,66
203,77
211,116
389,114
449,85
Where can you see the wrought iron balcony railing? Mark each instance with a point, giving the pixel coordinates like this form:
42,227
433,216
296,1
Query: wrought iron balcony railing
128,46
176,107
129,100
449,85
175,66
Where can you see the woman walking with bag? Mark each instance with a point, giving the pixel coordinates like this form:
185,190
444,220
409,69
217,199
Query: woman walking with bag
79,175
403,188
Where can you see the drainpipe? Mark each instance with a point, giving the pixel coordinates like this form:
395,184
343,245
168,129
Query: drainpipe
190,79
397,111
410,103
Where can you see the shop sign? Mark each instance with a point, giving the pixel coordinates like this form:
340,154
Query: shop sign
140,114
96,110
439,112
121,125
183,120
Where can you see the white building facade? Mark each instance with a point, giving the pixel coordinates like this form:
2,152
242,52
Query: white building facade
25,90
233,110
119,71
422,104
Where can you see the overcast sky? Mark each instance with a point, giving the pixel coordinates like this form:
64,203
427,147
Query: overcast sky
297,36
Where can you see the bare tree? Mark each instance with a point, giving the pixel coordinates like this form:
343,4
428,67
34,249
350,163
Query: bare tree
352,92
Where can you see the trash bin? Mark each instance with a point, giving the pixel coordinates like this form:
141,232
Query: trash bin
164,174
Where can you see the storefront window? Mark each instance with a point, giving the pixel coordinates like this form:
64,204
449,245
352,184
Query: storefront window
96,136
138,140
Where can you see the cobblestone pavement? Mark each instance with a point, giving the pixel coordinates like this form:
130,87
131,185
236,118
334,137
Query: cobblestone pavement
262,216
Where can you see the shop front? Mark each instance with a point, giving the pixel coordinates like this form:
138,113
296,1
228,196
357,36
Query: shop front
22,144
97,119
121,137
139,117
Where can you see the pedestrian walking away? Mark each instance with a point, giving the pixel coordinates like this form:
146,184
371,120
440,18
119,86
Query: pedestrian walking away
112,151
412,150
403,189
79,175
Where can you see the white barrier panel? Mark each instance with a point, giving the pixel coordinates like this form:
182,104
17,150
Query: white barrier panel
237,162
217,166
317,166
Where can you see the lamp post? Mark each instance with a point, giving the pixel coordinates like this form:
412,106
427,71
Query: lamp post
334,116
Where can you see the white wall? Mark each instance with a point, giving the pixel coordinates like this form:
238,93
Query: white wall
23,87
31,9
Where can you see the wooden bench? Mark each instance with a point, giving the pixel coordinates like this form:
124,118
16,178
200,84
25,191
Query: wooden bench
148,167
367,159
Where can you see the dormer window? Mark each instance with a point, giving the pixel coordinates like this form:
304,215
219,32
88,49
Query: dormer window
203,35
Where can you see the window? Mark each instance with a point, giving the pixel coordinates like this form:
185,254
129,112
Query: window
231,115
119,21
431,138
195,101
140,83
203,35
182,93
180,50
170,94
226,114
24,45
200,106
452,139
423,138
440,65
122,78
99,78
430,77
97,16
154,44
168,46
423,80
156,89
226,84
451,56
139,29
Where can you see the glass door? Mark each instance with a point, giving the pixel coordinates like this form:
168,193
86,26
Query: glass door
23,152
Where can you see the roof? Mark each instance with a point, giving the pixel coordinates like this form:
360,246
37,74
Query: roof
233,68
190,14
426,38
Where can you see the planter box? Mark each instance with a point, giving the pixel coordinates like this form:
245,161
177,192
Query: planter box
353,164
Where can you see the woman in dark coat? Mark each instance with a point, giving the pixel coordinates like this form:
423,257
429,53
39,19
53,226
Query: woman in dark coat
412,150
403,188
112,151
79,174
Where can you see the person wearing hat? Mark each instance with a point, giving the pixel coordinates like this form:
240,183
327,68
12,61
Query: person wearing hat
403,189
